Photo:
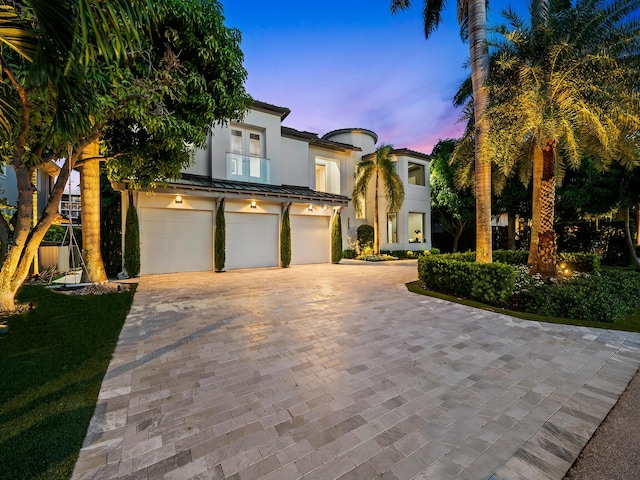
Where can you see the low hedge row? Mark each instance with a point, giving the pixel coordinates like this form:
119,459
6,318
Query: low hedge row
456,273
603,297
579,262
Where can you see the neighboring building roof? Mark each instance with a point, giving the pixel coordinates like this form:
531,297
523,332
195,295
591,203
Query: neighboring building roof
313,139
230,186
405,152
352,130
50,168
282,112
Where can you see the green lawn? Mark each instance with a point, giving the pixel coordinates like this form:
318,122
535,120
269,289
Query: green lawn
629,323
52,363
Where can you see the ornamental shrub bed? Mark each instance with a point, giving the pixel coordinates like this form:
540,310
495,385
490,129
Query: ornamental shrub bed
583,295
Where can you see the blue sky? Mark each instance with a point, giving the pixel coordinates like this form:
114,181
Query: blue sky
350,63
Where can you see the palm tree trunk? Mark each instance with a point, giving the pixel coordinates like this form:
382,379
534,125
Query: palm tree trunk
638,224
90,206
627,235
376,220
511,231
535,210
547,247
479,76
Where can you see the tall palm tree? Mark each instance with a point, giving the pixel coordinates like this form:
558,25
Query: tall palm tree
380,166
472,17
566,84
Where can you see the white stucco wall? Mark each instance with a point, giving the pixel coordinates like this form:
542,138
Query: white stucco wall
295,158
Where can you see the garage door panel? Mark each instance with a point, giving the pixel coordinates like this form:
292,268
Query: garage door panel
310,240
252,240
176,240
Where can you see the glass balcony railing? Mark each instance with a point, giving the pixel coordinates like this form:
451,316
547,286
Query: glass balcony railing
245,168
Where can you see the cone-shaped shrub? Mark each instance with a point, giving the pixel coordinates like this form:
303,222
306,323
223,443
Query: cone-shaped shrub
336,239
285,240
220,239
132,240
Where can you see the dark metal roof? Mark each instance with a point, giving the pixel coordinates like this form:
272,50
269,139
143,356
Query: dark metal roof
313,139
282,112
246,188
404,152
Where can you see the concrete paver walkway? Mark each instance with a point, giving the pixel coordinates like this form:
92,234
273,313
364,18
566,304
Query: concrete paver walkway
337,371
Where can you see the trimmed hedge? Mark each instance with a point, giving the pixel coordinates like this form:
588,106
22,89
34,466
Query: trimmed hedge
220,240
458,274
580,262
336,239
349,254
511,257
365,237
285,240
605,297
132,240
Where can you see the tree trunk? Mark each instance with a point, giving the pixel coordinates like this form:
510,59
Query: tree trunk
547,248
90,207
25,242
479,74
456,239
5,233
627,235
535,210
638,224
511,231
376,221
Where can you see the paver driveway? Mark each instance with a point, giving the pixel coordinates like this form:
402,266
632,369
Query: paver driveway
337,371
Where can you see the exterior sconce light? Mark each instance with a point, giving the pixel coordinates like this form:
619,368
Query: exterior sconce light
178,198
326,207
310,208
253,204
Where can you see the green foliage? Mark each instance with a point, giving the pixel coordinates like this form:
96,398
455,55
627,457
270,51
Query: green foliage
336,239
349,254
132,240
365,237
511,257
110,226
55,233
53,363
458,274
285,240
190,78
615,247
605,297
376,258
402,254
220,239
579,262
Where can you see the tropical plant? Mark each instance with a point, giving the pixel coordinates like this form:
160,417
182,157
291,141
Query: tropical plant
285,239
381,167
220,241
564,85
336,239
453,206
145,104
472,17
132,240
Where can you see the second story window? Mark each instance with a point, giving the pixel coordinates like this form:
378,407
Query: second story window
245,159
416,174
327,175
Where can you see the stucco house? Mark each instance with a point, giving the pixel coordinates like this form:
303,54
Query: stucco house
260,167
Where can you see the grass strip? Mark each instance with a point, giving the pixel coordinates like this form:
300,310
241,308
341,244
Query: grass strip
53,360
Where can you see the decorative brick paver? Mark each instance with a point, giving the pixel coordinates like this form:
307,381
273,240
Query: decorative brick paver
337,371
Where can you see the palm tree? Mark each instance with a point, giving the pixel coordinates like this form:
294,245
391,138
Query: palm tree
382,167
472,17
565,85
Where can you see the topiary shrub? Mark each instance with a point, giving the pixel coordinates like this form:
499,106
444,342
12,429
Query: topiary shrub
349,254
132,240
365,237
336,239
285,240
219,250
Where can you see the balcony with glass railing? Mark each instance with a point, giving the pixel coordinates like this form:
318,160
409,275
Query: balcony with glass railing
246,168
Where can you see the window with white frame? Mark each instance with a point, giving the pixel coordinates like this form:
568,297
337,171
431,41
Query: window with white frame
416,227
416,174
327,175
247,148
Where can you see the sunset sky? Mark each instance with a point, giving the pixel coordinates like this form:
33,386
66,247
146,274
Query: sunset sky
350,63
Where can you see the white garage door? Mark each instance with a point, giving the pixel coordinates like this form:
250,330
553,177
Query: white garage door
175,240
252,240
310,239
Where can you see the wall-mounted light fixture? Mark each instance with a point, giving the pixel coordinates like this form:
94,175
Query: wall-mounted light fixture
326,207
178,198
310,208
253,204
